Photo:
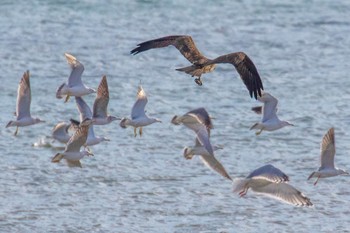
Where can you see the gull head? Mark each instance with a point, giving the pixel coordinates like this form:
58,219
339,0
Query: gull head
156,120
112,118
87,153
37,120
90,91
286,123
342,172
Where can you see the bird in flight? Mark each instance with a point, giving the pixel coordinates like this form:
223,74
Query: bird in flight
201,64
271,181
24,98
327,168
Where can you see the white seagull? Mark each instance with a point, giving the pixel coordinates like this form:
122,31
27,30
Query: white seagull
271,181
139,118
199,121
24,98
85,112
327,168
74,86
72,152
100,105
270,120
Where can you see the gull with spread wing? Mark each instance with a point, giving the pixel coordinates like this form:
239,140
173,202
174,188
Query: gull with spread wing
85,112
327,168
199,121
271,181
139,118
100,105
270,120
201,65
24,98
72,152
74,86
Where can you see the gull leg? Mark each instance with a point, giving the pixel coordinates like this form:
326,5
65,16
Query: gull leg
135,134
140,131
259,132
16,131
198,81
67,98
243,193
317,180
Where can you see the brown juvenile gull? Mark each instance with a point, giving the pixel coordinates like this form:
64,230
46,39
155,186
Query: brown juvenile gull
24,98
100,105
199,121
271,181
243,64
72,152
327,168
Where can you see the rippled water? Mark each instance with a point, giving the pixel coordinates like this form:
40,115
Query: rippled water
301,50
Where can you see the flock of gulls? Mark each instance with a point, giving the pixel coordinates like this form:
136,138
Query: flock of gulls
267,180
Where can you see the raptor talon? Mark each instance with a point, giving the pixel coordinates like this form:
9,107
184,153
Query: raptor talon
198,81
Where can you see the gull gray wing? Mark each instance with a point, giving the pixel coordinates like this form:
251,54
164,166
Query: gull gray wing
270,106
138,110
284,192
193,122
269,173
328,149
102,99
24,97
83,108
77,70
202,116
183,43
211,162
246,70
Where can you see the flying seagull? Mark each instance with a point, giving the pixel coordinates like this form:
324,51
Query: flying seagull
327,168
270,120
100,105
200,64
72,152
271,181
74,86
85,112
24,98
139,118
199,121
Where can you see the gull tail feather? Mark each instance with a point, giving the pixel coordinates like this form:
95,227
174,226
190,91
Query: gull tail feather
255,126
123,122
175,120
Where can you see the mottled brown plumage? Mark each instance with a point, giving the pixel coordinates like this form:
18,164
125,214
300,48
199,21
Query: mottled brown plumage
245,68
102,99
187,48
185,44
